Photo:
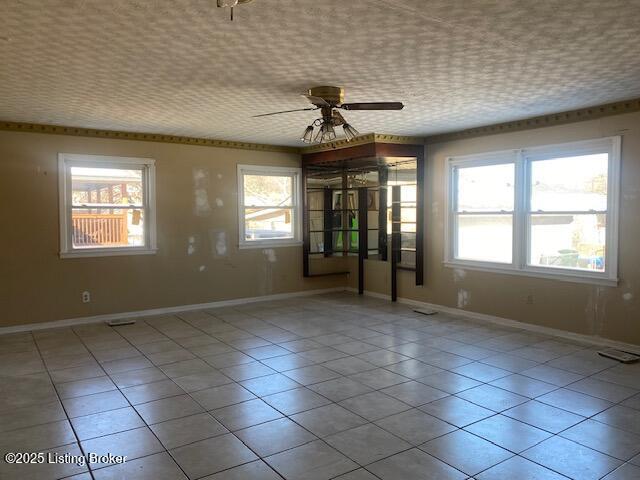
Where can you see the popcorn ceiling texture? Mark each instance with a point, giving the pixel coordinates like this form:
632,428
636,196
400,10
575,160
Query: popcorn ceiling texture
180,67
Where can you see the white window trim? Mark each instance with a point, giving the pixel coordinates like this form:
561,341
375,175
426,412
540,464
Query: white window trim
67,160
296,174
522,158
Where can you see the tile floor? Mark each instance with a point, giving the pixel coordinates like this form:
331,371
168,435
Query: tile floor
322,387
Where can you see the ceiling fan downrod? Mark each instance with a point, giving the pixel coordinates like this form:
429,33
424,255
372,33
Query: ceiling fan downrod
231,4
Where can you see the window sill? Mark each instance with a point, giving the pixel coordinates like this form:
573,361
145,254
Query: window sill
108,252
554,275
270,244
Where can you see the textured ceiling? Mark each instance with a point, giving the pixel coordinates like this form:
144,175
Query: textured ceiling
181,67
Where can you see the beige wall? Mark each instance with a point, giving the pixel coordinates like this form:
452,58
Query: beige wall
610,312
37,286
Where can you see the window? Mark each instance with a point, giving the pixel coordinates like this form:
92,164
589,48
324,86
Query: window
269,213
546,211
107,205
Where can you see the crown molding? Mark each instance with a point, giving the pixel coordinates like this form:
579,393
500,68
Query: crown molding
205,142
144,137
363,139
561,118
571,116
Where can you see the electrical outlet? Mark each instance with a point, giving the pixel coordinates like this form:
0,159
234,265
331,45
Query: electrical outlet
86,297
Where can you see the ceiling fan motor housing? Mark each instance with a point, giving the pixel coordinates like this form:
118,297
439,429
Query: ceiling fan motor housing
332,95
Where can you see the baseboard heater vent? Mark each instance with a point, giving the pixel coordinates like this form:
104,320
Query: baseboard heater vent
425,311
624,357
120,321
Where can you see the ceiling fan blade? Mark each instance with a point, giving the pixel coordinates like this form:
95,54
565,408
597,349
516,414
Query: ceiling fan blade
373,106
319,102
285,111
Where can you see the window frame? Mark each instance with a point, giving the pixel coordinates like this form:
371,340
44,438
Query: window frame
147,165
296,206
522,158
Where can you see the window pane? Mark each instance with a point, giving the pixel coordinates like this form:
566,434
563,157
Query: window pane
373,200
268,190
348,221
408,227
408,259
372,239
316,242
489,188
569,241
338,240
485,237
373,220
316,220
268,223
408,240
106,186
408,193
570,183
408,214
352,196
102,228
315,200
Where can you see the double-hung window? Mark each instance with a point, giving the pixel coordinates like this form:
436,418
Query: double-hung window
107,205
269,206
549,211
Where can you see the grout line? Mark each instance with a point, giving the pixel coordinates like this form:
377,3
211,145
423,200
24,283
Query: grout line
135,411
64,409
356,310
204,411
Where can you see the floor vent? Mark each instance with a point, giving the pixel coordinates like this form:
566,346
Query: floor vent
120,321
425,311
624,357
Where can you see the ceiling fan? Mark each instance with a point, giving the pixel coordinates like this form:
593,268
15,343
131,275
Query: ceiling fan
328,100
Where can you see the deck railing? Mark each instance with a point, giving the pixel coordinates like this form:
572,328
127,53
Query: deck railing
100,229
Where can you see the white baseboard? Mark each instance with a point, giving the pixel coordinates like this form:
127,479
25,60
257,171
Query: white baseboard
555,332
161,311
591,339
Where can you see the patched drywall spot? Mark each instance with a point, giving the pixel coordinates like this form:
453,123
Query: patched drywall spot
218,240
221,244
201,206
191,247
601,310
590,313
202,268
219,176
219,202
463,298
627,297
459,274
270,253
630,194
201,202
595,311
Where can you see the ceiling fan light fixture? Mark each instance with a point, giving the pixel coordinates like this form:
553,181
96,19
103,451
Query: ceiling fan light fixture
328,133
307,136
319,134
350,132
